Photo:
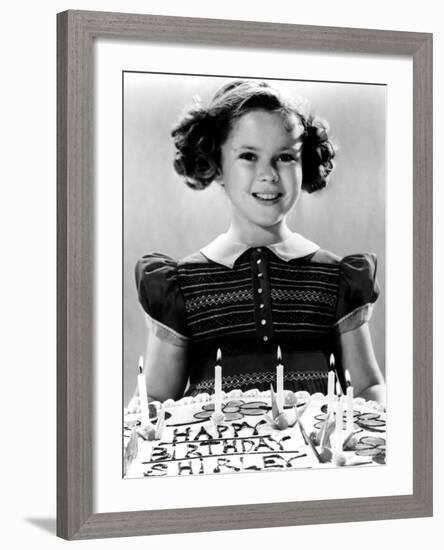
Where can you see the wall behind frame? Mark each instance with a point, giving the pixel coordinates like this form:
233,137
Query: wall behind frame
161,214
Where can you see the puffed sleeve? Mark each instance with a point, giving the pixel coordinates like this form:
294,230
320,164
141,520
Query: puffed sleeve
160,296
358,290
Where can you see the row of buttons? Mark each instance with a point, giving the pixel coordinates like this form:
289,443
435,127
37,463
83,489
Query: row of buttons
260,291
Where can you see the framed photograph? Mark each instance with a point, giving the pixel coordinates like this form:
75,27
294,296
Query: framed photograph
239,205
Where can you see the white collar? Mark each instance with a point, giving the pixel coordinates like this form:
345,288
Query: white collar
223,250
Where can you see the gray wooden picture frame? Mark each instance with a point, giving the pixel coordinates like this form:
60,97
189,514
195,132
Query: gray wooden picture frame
76,32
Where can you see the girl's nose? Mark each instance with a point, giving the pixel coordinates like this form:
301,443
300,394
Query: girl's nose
269,173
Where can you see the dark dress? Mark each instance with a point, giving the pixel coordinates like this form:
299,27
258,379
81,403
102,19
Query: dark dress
302,305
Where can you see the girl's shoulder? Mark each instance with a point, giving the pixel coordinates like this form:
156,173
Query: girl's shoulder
357,272
351,263
158,290
158,286
323,256
160,271
358,286
155,263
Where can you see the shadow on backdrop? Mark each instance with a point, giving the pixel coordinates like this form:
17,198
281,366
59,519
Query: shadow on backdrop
46,524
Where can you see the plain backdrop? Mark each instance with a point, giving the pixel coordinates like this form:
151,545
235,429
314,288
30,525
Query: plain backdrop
28,284
162,214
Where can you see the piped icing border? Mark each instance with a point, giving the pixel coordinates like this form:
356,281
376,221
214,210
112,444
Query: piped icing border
255,393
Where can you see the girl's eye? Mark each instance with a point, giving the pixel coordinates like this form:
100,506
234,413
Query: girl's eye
247,156
287,157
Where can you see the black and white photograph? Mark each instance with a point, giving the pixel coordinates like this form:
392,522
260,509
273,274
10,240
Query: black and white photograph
254,230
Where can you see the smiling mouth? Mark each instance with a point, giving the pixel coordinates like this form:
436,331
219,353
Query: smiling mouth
267,198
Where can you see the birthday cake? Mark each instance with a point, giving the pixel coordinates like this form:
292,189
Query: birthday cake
185,437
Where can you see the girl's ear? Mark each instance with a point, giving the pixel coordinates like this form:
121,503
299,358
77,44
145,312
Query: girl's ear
219,178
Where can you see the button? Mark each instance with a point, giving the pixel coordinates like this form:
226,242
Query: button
259,274
259,291
261,306
258,249
263,322
259,261
265,338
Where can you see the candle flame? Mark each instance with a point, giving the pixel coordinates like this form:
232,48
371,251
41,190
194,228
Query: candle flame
332,361
279,354
141,364
218,355
347,378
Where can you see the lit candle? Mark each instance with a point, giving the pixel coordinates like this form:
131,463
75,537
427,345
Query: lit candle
350,420
280,381
331,391
218,384
339,424
160,422
338,388
143,395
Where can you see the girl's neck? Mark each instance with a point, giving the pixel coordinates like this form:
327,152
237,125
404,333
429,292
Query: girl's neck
259,236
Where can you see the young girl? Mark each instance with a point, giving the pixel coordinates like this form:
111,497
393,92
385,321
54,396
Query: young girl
259,285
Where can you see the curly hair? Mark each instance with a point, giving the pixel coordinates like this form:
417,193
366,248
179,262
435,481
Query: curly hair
201,132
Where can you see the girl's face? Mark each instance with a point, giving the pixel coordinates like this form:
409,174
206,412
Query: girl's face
261,169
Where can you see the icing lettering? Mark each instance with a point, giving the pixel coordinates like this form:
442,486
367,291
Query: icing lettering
290,461
276,443
224,463
221,430
247,445
262,444
208,444
279,442
202,433
273,461
228,446
260,423
237,428
252,467
184,468
178,434
156,470
160,454
192,451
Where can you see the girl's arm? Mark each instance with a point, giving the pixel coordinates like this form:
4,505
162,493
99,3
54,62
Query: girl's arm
359,359
165,365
